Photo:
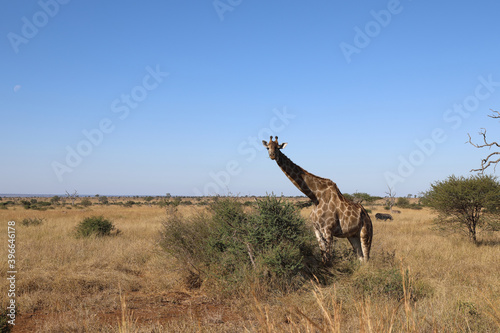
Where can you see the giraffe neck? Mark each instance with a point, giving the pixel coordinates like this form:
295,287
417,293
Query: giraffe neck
298,176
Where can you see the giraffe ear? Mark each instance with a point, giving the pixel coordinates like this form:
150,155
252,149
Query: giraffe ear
283,145
264,143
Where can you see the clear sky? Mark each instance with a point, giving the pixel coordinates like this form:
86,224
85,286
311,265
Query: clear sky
155,97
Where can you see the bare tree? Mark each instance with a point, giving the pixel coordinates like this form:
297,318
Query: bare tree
392,197
72,197
490,159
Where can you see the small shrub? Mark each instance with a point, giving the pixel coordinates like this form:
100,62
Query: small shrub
5,204
403,202
41,205
129,203
103,200
176,202
5,327
26,204
94,226
35,204
86,202
32,221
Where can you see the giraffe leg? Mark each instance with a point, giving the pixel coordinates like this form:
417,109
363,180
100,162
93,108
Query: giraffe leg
328,254
321,240
366,238
356,245
325,247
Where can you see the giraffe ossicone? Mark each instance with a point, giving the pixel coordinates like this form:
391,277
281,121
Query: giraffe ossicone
333,215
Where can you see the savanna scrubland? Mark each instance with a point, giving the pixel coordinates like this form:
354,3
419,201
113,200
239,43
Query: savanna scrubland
421,277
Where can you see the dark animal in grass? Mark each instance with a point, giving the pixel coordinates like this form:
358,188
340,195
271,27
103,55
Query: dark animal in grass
384,217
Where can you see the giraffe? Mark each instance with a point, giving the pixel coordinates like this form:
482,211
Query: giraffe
332,214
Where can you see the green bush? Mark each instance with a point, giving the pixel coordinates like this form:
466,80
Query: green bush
233,249
103,200
26,204
35,204
129,203
86,202
5,327
94,226
403,202
5,204
279,235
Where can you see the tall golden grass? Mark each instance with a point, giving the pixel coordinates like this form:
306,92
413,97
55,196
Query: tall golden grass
126,283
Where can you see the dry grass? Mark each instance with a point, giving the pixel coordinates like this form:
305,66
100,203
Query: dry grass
126,283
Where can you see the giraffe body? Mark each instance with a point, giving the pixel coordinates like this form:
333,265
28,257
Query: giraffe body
332,215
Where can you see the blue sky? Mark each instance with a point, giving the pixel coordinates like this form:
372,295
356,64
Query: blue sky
175,97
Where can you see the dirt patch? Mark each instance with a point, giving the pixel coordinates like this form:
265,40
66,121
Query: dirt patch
144,310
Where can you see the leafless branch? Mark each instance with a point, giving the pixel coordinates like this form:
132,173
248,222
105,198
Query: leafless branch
486,143
494,116
488,161
390,194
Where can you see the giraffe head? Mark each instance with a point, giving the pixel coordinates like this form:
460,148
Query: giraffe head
273,147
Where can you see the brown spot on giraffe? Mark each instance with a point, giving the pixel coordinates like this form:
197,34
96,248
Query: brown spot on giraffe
332,214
